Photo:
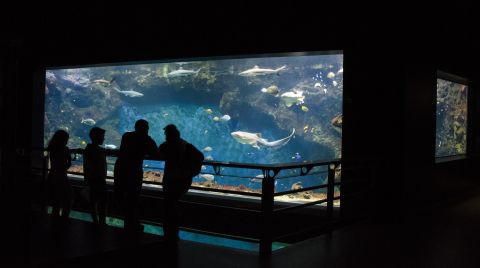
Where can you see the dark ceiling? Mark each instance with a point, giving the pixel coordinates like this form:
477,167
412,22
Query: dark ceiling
52,34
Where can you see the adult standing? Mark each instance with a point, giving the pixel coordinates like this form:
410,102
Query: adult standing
182,162
128,172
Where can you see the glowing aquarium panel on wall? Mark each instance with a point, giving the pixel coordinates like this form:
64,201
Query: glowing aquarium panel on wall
451,123
266,109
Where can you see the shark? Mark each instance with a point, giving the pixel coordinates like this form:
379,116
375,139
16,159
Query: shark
129,93
103,82
183,72
259,71
255,139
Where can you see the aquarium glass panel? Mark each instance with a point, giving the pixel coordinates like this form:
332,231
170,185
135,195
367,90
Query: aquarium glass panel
261,109
451,124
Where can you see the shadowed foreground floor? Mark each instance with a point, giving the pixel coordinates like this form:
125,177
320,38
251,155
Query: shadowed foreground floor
446,237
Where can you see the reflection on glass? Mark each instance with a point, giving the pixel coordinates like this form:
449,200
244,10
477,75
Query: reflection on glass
451,132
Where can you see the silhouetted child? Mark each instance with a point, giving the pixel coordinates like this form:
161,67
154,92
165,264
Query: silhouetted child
59,185
95,172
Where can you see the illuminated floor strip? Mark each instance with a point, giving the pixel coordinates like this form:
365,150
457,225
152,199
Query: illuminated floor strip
184,235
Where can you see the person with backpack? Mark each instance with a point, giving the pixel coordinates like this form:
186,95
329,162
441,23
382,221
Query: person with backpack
183,161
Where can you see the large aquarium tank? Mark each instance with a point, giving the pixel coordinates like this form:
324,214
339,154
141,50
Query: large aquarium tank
261,109
451,121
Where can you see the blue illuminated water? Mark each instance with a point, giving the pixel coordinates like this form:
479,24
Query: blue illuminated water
184,235
198,128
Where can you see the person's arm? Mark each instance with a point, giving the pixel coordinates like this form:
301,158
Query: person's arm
112,152
151,148
104,161
86,165
161,155
69,159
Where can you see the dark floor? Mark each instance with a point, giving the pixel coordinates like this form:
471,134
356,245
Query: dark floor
446,237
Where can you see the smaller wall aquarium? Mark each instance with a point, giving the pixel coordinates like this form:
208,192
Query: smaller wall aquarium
451,123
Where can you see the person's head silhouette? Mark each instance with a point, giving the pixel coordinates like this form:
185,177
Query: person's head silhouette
59,140
141,126
171,133
97,135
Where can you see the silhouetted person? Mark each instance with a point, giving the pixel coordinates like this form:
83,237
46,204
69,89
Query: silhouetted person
177,177
128,172
59,186
95,171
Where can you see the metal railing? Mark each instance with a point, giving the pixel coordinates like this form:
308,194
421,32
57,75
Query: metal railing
268,210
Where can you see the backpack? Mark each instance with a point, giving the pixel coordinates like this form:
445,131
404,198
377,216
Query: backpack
192,160
190,166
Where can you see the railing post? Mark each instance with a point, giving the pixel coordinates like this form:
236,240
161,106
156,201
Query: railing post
330,190
267,215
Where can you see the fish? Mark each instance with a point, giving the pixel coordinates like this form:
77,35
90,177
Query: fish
110,146
255,139
337,123
337,120
103,82
209,111
216,118
271,90
334,83
88,121
257,178
325,90
290,98
331,75
296,186
207,149
225,118
129,93
304,108
340,71
317,85
183,72
297,156
207,177
260,71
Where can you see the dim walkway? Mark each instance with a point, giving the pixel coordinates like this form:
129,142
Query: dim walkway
446,237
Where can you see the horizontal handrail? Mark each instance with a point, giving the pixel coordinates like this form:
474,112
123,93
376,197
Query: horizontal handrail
309,163
300,205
